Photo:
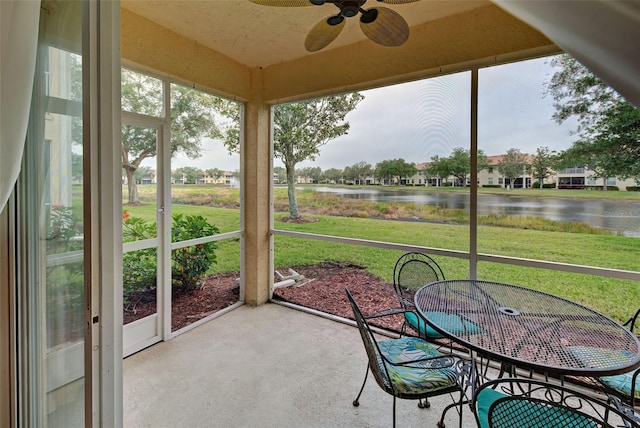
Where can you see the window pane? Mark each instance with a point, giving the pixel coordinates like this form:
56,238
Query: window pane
550,218
52,236
205,195
64,234
377,181
139,277
142,94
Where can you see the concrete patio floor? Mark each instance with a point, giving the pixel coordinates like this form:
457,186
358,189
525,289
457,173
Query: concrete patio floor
269,366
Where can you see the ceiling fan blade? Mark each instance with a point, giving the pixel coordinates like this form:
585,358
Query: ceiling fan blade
397,1
322,34
282,3
387,29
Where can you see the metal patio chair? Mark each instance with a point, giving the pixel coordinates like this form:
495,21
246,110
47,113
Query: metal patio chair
412,271
529,403
408,367
625,386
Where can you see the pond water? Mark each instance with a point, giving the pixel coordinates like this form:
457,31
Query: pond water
621,216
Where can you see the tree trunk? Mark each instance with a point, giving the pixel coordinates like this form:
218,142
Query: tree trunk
291,189
132,186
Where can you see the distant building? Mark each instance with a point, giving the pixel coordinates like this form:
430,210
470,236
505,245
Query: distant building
227,178
419,178
490,176
579,178
569,178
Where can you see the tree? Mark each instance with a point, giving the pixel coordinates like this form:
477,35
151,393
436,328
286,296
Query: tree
458,164
609,127
333,175
439,167
513,165
76,167
142,173
543,164
358,172
395,169
189,174
281,173
193,115
312,172
214,173
300,129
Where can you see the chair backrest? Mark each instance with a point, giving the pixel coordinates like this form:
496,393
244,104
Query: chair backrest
631,322
412,271
510,402
376,362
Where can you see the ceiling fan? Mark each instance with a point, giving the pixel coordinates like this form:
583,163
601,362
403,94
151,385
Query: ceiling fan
380,24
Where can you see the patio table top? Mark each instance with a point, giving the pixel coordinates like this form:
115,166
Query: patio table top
528,328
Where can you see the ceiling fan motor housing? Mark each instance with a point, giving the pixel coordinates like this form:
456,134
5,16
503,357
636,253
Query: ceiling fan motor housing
349,8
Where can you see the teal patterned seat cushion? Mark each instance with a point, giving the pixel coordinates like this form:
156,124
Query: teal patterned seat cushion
524,413
621,382
412,380
451,323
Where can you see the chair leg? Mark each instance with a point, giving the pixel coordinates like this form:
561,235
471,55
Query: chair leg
403,329
356,402
424,404
394,411
460,403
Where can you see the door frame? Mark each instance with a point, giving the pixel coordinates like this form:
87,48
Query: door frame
152,329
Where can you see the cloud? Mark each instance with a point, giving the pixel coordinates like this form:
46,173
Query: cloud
214,155
418,120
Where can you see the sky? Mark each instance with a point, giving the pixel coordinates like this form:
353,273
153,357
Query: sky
417,120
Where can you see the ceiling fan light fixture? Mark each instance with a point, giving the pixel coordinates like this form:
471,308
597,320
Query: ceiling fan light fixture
349,11
335,20
368,16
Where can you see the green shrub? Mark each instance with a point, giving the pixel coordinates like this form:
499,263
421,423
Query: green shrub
633,188
596,187
536,185
139,268
136,228
188,264
139,271
61,230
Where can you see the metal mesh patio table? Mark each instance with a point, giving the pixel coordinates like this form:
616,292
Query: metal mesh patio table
528,328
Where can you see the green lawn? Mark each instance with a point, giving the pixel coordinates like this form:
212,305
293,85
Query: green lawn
613,297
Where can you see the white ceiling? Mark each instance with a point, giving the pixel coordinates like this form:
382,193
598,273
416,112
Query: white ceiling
259,36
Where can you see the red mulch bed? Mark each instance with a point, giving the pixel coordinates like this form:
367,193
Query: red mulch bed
215,293
323,290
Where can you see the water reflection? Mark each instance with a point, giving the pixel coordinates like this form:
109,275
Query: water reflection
621,216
